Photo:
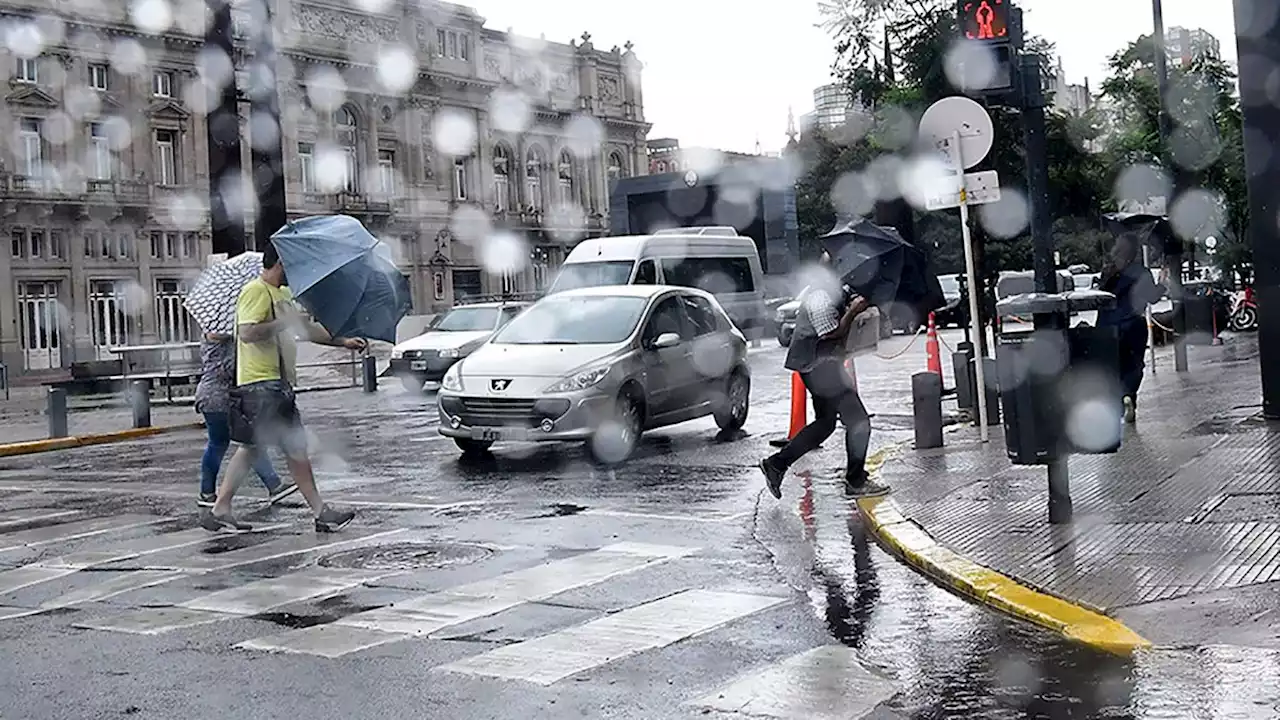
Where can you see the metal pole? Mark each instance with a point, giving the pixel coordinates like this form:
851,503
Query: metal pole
1046,279
1165,124
1060,506
223,137
370,366
265,133
1261,136
971,271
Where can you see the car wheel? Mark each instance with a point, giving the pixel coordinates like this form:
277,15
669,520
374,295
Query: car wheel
732,411
784,337
617,438
469,446
412,383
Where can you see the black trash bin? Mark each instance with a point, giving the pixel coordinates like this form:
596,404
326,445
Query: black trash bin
1029,366
1091,387
1198,306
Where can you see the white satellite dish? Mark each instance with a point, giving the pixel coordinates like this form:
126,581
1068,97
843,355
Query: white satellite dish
959,114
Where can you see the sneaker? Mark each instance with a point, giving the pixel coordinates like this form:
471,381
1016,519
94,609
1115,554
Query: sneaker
1130,411
331,520
867,488
282,491
206,500
213,522
772,477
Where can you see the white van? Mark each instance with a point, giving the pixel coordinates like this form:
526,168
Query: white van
715,259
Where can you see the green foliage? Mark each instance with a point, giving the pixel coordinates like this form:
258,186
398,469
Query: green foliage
1086,151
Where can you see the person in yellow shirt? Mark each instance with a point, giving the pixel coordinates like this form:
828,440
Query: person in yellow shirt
263,409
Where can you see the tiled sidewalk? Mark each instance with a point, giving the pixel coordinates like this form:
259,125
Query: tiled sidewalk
1189,505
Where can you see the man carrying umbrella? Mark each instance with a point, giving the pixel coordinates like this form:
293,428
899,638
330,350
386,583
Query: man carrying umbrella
817,352
263,410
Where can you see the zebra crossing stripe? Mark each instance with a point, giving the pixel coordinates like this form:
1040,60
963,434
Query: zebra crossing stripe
435,611
826,683
263,595
274,550
118,585
28,575
551,658
50,534
15,518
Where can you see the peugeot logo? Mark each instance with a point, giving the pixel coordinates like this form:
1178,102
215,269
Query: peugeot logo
499,385
691,178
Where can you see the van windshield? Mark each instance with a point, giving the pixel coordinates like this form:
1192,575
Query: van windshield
592,274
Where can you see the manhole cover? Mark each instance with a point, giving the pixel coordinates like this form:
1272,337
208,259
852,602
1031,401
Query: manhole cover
406,556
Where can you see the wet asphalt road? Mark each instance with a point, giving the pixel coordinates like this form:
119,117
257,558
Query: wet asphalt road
719,582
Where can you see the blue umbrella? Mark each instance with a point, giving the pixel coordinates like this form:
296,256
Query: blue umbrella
344,276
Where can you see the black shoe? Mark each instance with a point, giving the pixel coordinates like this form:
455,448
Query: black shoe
207,500
213,523
331,521
866,488
772,477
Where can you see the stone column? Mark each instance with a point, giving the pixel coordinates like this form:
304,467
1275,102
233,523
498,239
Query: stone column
483,185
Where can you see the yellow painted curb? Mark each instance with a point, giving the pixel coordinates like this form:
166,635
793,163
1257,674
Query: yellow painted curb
66,443
906,539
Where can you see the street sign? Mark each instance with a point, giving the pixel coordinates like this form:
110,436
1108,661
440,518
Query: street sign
961,115
979,189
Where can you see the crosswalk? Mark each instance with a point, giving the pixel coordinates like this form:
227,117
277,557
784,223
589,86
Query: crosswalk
114,558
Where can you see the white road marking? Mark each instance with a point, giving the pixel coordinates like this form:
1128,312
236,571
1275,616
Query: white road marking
263,595
152,621
120,584
7,612
28,575
826,683
436,611
680,518
273,550
14,518
551,658
74,530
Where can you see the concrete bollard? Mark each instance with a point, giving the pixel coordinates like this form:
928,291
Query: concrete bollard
369,365
926,409
140,403
57,409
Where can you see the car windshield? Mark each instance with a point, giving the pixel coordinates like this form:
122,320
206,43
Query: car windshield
595,320
1015,285
592,274
468,319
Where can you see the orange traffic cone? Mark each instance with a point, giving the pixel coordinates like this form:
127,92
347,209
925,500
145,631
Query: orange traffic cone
799,410
931,348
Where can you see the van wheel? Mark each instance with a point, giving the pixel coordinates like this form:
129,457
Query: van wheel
471,447
618,437
731,413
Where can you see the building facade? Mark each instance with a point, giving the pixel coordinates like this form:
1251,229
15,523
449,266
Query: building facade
666,156
1185,45
833,105
105,180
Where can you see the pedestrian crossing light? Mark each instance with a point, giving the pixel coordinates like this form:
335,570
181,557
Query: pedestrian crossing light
985,20
996,26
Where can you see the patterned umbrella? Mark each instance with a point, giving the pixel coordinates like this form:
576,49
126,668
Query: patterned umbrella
212,300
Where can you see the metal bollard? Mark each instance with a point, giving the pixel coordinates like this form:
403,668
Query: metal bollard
1060,506
926,409
370,368
140,403
57,408
962,368
993,392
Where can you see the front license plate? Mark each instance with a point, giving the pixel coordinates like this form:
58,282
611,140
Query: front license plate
499,434
418,365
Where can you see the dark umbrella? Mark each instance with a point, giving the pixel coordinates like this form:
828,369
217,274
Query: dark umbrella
876,263
1153,231
344,276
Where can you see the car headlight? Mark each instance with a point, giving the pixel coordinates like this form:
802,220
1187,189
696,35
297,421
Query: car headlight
396,353
780,316
452,380
579,381
451,353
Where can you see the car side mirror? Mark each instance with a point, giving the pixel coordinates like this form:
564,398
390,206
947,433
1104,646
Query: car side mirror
666,340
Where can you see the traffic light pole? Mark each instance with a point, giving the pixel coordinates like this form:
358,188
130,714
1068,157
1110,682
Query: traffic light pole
265,130
222,133
1174,261
1046,277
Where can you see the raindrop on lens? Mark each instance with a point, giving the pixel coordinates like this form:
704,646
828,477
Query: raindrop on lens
454,132
397,70
151,16
509,111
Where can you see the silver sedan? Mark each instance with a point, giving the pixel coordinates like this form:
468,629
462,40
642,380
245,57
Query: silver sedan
600,365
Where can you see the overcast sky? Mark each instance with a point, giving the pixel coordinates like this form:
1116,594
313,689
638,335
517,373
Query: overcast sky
722,73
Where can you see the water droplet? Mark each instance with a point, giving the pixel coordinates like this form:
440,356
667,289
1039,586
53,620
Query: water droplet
397,69
454,132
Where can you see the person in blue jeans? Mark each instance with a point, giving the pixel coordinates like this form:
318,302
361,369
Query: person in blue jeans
218,364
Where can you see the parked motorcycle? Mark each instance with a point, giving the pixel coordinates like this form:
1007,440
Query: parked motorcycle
1244,312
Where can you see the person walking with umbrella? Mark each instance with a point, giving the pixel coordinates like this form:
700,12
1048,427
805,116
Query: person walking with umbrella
1130,281
217,375
817,352
263,408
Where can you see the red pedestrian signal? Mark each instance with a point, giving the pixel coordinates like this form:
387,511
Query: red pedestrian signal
984,20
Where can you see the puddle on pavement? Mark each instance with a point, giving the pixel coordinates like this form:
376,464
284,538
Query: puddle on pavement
333,609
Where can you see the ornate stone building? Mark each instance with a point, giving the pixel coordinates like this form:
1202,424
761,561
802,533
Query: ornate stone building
104,177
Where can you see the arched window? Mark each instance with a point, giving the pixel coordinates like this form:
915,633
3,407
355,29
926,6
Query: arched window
614,168
533,163
501,178
346,128
564,177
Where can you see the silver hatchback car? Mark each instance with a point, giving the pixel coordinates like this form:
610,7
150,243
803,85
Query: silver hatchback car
600,365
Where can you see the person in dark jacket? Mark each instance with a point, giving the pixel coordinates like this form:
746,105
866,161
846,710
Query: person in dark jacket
817,352
1131,282
217,375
